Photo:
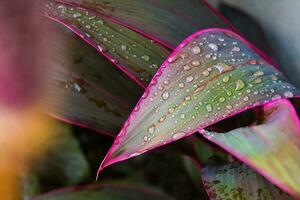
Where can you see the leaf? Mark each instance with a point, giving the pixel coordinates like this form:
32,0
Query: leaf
85,88
64,162
236,181
272,148
168,21
212,75
107,191
136,55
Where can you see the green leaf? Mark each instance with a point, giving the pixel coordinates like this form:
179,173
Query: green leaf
271,148
105,191
64,162
85,88
136,55
236,181
212,75
168,21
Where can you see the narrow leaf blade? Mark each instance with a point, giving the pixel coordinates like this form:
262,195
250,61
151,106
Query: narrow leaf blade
136,55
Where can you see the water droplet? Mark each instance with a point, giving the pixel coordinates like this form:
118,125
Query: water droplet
145,138
181,85
189,79
123,47
273,77
229,107
225,79
252,62
166,82
222,99
77,88
222,68
205,73
171,110
276,97
213,46
162,119
288,94
146,57
236,49
258,80
239,84
165,95
196,50
182,116
195,63
186,67
258,73
208,108
178,135
246,98
61,8
151,129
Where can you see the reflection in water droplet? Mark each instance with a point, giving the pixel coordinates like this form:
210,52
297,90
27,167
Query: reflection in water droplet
288,94
196,50
178,135
239,84
213,46
189,79
151,129
146,57
222,99
186,67
195,63
226,79
165,95
208,108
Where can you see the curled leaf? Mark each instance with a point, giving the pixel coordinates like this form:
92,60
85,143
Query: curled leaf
136,55
213,74
272,148
237,181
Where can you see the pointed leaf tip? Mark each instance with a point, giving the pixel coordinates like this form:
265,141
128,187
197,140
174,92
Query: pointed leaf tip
211,75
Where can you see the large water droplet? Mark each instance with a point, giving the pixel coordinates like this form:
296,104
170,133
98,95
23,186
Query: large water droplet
165,95
208,108
189,79
213,46
196,50
239,84
151,129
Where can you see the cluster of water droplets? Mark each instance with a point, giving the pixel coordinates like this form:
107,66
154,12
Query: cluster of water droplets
137,54
208,78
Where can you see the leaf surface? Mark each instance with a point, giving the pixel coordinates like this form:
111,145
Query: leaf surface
237,181
272,148
136,55
168,21
107,191
211,75
85,88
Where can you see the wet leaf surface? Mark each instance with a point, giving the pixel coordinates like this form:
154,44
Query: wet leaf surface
271,148
212,75
136,55
237,181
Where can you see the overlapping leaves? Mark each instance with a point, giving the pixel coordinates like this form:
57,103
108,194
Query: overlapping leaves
211,75
136,55
85,88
